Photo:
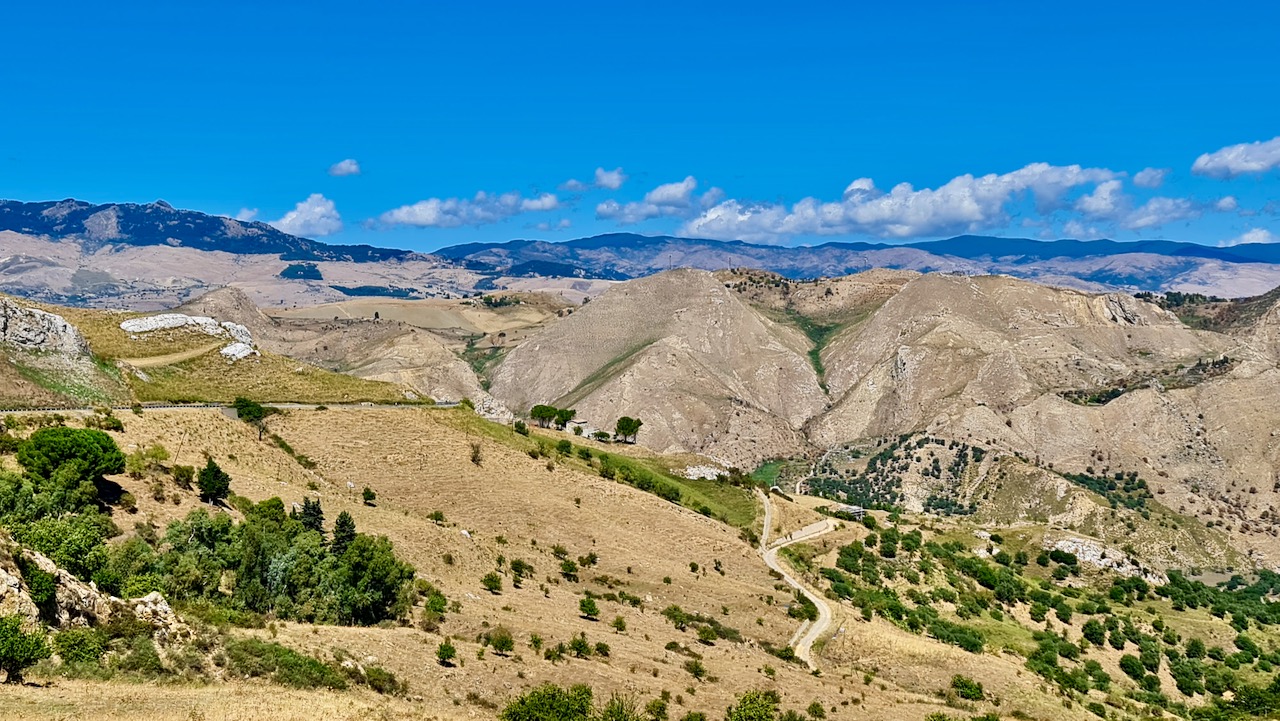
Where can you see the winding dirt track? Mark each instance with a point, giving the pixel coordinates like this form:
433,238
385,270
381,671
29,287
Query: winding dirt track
808,633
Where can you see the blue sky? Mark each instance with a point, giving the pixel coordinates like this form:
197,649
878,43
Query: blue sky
779,123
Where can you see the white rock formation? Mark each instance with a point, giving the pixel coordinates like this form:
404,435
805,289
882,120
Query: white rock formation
37,330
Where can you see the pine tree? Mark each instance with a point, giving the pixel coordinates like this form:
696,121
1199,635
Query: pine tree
214,483
344,532
312,516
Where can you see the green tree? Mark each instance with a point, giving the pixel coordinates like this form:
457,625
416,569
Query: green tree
619,624
213,482
311,516
627,428
543,415
1094,631
563,416
754,706
445,653
369,496
19,650
564,447
589,608
344,532
551,703
249,411
49,448
492,583
371,578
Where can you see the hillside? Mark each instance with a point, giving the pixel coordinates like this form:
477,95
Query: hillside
706,372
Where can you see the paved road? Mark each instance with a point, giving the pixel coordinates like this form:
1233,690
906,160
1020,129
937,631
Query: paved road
808,633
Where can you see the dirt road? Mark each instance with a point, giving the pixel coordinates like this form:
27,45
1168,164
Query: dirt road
808,633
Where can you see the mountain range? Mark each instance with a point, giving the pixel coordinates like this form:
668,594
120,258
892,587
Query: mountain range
150,256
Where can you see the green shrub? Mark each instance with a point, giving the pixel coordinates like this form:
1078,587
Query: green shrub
262,659
18,650
550,703
966,688
80,645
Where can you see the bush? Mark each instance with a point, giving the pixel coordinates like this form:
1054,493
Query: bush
966,688
550,703
80,645
142,659
589,608
262,659
383,681
19,650
445,653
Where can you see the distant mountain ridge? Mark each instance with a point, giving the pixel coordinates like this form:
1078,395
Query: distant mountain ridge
787,259
71,251
159,223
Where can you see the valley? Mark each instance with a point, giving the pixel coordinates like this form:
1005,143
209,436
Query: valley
1034,464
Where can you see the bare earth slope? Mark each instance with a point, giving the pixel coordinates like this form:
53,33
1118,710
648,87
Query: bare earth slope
705,371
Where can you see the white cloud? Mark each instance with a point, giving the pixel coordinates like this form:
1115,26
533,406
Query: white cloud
562,224
314,217
1079,231
546,201
344,167
610,179
604,179
1257,235
666,200
1106,200
1227,204
673,195
1242,159
247,214
483,209
963,204
1150,177
1160,211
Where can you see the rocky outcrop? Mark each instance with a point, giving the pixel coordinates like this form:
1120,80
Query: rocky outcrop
78,604
32,329
241,337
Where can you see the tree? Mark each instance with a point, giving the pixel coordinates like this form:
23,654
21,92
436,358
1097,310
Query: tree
492,583
564,447
19,650
563,416
369,496
249,411
627,428
551,703
214,483
619,624
311,516
543,415
445,653
521,427
589,608
374,576
344,532
49,448
754,706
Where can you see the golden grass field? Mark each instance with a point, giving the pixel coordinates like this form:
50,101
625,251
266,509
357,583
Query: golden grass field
418,461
